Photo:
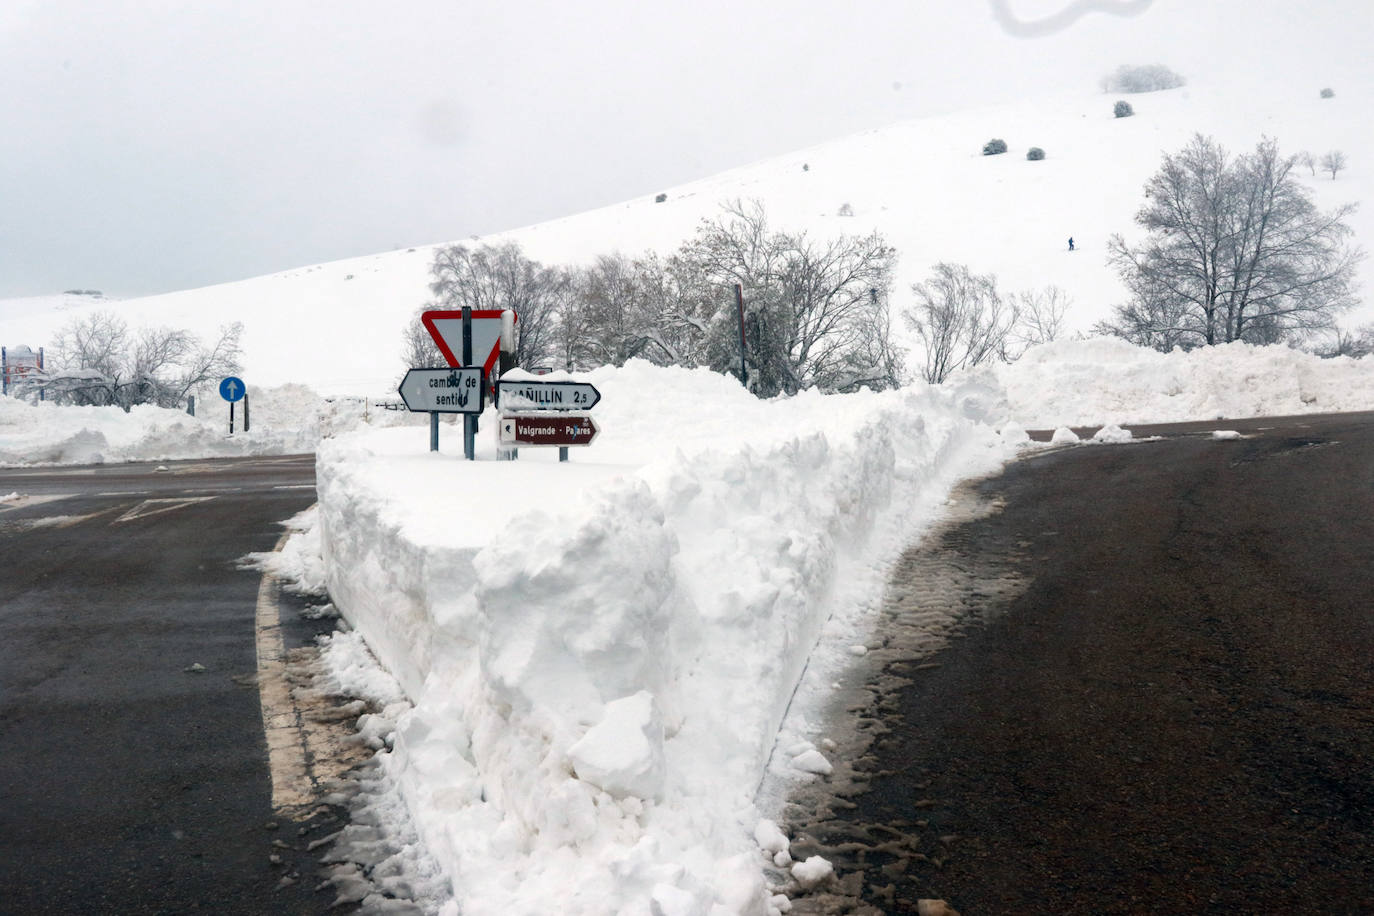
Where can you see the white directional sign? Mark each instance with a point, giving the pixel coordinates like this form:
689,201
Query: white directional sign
530,395
444,390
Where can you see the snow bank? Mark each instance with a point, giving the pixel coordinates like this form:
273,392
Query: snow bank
600,652
1086,382
290,419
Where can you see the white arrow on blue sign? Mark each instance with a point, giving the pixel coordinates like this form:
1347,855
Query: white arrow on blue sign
458,390
232,389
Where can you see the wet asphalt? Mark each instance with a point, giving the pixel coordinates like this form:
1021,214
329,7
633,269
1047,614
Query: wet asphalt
1169,709
133,769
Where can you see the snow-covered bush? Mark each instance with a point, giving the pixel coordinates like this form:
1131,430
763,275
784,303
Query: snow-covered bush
994,146
1123,109
1328,93
1141,78
1035,154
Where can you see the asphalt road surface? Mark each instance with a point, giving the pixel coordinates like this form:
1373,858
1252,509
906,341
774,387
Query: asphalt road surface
128,783
1160,699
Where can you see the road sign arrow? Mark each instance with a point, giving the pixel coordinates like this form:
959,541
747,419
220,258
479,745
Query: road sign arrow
232,389
444,390
532,395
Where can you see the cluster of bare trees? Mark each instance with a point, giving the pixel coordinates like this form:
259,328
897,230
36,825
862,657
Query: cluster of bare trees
97,360
1333,161
814,314
963,321
1235,250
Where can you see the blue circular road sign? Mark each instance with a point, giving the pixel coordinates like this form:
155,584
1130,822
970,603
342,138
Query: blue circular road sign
232,389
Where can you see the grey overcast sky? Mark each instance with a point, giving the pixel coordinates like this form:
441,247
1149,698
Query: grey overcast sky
154,145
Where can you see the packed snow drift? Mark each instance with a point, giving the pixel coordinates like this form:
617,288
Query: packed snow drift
599,655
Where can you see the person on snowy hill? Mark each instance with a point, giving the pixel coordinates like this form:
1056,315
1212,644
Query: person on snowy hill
1071,243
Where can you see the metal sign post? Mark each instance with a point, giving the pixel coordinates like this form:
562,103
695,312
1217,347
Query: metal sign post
458,390
469,420
232,389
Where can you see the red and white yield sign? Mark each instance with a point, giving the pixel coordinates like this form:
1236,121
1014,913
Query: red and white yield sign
446,327
560,429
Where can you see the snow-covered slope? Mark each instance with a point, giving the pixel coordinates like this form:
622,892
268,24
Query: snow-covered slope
924,184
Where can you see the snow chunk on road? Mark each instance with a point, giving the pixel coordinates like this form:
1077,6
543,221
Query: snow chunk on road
812,872
623,753
770,837
1112,433
812,761
1064,436
1226,434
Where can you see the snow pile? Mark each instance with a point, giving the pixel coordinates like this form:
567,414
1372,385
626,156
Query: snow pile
600,652
290,419
1087,382
297,563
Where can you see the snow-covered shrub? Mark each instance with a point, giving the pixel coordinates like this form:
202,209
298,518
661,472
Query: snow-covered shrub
1035,154
845,210
994,146
1123,109
1328,93
1141,78
660,198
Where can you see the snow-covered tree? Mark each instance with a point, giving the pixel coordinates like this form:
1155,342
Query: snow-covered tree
815,313
1333,162
961,320
97,360
499,277
1235,250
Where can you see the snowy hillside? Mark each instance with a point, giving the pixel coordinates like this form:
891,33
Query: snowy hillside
924,184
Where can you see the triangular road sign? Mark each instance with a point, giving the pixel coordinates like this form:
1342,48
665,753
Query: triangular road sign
446,327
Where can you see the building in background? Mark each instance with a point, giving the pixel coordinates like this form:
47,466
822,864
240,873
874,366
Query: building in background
16,363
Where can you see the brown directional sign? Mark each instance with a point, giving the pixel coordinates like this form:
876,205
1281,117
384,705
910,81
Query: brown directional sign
561,430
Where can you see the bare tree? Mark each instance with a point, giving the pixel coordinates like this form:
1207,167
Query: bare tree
962,321
1236,250
815,313
418,349
1333,162
97,361
1310,161
1040,315
627,308
1356,344
500,277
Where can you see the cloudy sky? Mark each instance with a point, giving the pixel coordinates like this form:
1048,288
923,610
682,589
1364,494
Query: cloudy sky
154,145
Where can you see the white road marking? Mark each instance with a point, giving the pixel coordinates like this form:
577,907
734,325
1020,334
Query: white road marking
156,506
31,501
